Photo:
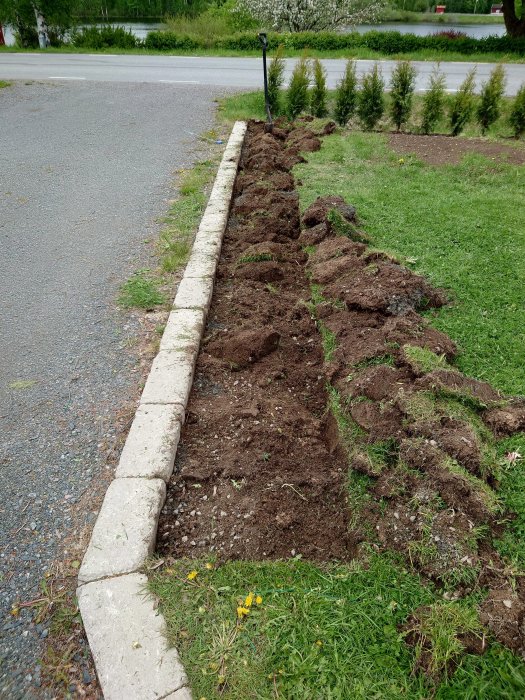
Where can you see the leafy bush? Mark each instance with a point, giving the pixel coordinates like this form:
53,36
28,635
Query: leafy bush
104,37
384,42
433,102
275,81
319,94
371,103
298,89
517,113
402,86
346,95
451,34
491,93
463,104
169,41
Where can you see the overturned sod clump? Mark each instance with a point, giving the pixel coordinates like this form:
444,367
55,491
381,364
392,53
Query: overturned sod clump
318,370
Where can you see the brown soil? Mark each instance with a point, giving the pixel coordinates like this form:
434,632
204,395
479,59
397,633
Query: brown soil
262,465
258,471
440,150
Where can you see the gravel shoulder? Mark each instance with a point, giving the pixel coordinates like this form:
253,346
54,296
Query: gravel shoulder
86,170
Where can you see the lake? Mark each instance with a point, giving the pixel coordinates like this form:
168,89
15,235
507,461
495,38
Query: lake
478,31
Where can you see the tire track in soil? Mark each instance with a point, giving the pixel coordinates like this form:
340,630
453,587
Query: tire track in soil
261,468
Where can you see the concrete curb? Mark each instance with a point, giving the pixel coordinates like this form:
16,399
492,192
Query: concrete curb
124,629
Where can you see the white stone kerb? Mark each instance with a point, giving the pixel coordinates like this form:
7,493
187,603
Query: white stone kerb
125,630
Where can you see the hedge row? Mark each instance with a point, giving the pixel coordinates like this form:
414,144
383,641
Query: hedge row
383,42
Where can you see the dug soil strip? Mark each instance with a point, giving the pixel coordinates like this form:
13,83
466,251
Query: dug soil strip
315,356
260,472
126,633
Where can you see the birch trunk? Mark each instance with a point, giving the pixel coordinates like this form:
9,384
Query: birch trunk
41,25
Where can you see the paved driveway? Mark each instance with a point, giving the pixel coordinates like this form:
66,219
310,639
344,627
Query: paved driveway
85,169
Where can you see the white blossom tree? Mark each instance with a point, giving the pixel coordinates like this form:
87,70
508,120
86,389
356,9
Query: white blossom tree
311,15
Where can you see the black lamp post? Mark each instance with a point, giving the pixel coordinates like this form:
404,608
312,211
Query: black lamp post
264,42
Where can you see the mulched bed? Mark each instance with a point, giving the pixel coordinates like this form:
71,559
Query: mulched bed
262,465
439,149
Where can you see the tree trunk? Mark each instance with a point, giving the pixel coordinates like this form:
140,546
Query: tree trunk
515,25
41,25
2,40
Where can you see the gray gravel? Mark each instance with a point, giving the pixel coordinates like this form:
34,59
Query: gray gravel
85,168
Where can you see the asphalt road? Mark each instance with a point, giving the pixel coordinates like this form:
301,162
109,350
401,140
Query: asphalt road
224,72
85,170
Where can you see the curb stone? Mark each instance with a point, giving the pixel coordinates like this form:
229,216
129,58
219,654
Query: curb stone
125,631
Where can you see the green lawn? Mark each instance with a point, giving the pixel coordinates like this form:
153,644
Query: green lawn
320,633
462,227
332,631
357,53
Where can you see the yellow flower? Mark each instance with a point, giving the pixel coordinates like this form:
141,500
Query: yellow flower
221,680
209,566
242,612
319,643
202,609
258,600
15,611
249,600
401,161
192,575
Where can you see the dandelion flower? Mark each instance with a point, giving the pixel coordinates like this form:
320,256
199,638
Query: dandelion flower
209,566
401,161
242,612
258,600
192,575
248,602
319,643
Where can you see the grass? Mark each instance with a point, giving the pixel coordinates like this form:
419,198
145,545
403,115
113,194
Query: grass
423,360
332,631
4,84
320,632
141,291
148,289
461,227
357,53
438,628
184,215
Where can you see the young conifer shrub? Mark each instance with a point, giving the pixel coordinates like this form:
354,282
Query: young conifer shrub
463,104
489,106
433,102
275,81
402,86
517,113
371,104
346,95
318,95
298,89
